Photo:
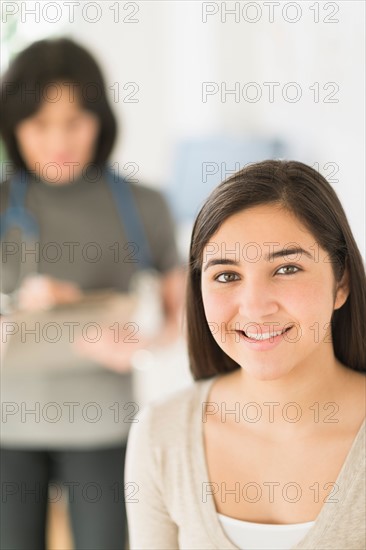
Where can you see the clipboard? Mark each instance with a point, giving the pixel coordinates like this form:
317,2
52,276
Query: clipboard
44,340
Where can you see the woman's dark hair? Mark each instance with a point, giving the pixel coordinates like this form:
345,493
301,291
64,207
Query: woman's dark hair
51,62
304,192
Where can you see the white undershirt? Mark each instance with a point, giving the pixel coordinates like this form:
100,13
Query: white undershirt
263,536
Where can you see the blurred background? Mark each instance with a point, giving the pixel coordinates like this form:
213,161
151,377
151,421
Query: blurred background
202,88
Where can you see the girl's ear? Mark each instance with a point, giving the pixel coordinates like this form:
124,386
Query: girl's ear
342,290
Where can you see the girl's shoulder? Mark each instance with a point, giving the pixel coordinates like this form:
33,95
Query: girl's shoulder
170,417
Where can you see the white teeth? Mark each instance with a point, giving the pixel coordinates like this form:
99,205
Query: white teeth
264,336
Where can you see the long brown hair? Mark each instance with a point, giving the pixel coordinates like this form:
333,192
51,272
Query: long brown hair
307,194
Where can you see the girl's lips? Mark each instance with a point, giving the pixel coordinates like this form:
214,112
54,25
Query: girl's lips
263,345
262,332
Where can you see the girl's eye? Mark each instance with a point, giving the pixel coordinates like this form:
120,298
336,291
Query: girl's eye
291,269
226,277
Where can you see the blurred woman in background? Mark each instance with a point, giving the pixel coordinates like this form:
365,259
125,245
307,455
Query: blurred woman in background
59,131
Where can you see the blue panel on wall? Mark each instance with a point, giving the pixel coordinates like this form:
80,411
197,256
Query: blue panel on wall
200,165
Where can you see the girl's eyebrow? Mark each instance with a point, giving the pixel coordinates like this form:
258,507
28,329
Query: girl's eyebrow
220,261
268,257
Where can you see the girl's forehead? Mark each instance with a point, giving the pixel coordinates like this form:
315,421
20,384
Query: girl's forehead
263,221
263,232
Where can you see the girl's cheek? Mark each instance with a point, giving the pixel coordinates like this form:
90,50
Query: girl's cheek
217,306
308,295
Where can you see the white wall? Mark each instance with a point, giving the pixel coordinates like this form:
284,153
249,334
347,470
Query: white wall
171,51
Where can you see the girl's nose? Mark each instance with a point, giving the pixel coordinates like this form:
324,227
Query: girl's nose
257,300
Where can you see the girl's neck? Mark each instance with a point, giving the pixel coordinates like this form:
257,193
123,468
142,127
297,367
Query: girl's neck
308,396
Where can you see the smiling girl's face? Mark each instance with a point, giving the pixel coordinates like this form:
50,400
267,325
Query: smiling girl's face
255,286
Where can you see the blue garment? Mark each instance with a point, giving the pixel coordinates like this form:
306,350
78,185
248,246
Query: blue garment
17,214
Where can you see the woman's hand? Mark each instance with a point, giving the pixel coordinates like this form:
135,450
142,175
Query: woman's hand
113,351
43,292
116,351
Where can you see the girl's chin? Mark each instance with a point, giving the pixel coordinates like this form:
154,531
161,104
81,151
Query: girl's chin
265,372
